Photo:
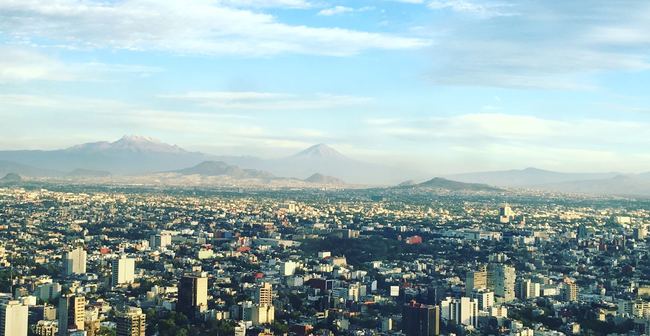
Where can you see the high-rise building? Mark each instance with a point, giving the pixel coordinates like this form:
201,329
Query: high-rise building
160,240
505,214
192,294
528,289
46,328
13,318
72,313
123,271
75,261
569,290
462,311
420,319
262,314
264,295
484,297
131,322
476,280
501,280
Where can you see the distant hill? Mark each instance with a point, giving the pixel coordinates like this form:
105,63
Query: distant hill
11,178
324,179
327,161
126,156
528,177
438,183
218,168
7,167
80,172
622,185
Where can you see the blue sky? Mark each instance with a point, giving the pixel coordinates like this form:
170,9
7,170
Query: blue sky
442,85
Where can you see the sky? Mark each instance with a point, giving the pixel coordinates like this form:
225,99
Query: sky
443,86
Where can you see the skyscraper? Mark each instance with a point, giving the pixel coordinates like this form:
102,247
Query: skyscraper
264,295
476,280
13,318
501,280
131,322
192,294
75,261
72,313
123,271
462,311
420,319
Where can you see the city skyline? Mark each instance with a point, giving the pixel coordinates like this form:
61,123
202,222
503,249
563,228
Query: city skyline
445,84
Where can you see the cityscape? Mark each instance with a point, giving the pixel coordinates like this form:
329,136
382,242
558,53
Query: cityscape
324,167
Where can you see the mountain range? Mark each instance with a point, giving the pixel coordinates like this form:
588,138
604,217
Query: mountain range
145,159
137,155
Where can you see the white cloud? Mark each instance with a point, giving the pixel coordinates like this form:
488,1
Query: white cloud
191,26
263,101
465,6
557,45
296,4
336,10
21,64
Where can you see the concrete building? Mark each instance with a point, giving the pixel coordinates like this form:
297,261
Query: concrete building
461,311
123,271
72,313
476,280
75,261
420,319
192,294
13,318
501,280
132,322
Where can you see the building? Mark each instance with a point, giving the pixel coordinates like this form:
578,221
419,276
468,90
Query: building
485,298
501,280
192,294
461,311
263,314
529,290
75,261
160,240
264,295
13,318
569,290
476,280
131,322
505,214
72,313
46,328
420,319
123,271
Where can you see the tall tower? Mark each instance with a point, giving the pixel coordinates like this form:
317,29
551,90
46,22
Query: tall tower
132,322
75,261
501,280
264,295
462,311
476,280
192,294
13,318
72,313
123,271
420,319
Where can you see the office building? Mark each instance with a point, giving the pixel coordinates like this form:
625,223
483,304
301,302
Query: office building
264,295
131,322
13,318
123,271
72,313
501,280
461,311
46,328
420,319
476,280
75,261
192,294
